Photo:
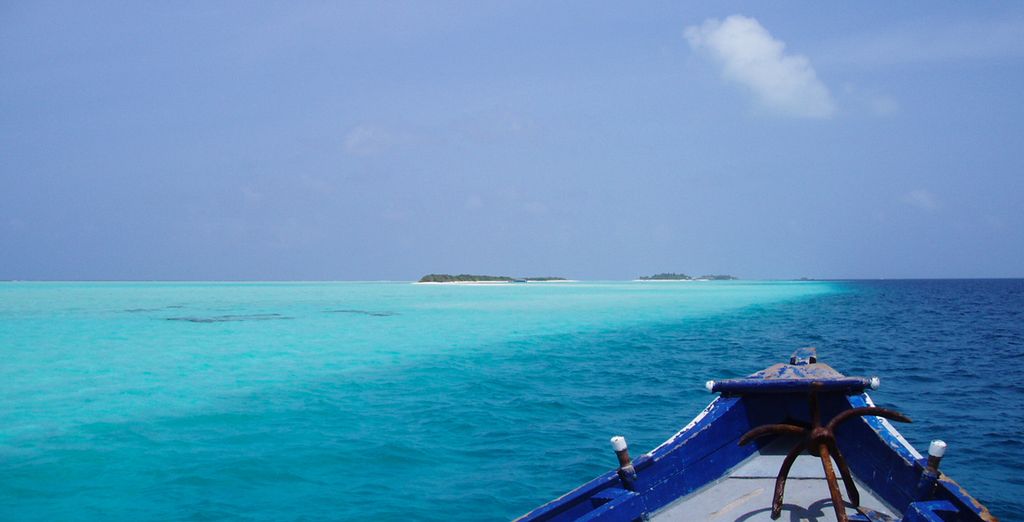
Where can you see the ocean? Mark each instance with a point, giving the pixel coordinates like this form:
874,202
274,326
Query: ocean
394,401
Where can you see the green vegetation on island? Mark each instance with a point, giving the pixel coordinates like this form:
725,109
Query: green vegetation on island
461,278
670,276
470,278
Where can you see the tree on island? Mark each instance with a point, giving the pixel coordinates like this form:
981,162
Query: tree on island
461,278
668,276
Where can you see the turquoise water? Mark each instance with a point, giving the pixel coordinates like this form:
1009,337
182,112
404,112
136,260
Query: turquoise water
269,401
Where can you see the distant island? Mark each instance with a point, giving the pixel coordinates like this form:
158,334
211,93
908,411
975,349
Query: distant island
470,278
669,276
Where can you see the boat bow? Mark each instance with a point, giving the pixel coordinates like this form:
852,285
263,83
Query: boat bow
706,468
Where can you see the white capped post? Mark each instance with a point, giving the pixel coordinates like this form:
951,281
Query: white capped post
936,450
619,443
627,473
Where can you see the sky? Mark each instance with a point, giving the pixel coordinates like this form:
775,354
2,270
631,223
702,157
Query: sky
591,140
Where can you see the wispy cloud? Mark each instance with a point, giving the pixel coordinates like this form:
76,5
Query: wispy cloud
373,139
929,41
365,140
752,57
922,199
870,101
882,105
474,202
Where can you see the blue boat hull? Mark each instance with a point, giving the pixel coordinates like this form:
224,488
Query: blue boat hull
706,449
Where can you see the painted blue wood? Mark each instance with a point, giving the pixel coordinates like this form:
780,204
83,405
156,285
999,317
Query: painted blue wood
615,505
877,456
929,511
576,503
794,385
706,450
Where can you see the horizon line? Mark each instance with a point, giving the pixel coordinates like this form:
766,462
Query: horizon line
823,279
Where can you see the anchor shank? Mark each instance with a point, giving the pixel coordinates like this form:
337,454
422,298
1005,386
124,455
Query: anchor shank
833,485
844,471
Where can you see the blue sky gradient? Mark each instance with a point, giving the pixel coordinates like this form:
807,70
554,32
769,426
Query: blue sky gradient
388,140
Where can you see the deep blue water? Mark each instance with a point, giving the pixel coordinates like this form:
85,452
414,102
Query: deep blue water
396,401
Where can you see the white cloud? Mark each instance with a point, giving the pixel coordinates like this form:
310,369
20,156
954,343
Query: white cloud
750,56
922,199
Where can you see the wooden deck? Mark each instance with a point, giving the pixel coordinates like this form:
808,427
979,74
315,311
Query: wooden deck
746,493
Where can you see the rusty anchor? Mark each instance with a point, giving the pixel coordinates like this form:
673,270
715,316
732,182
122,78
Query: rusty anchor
820,441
